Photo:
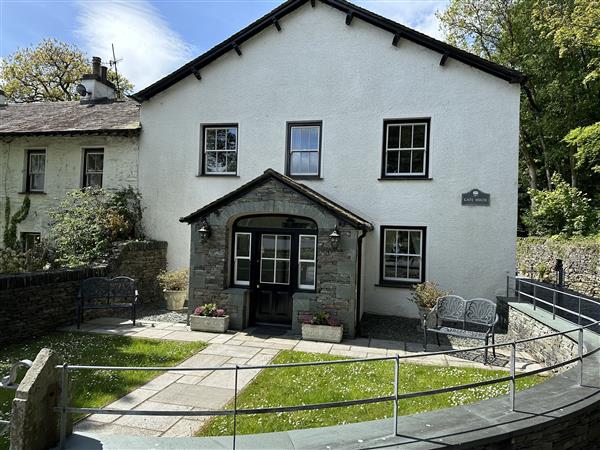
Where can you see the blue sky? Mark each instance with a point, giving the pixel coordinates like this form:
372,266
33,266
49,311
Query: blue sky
155,37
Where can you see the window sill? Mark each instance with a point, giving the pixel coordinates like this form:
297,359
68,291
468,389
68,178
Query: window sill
217,175
32,193
404,285
405,177
305,177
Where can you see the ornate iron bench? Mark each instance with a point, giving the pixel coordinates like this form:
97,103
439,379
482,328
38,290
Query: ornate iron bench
106,293
455,316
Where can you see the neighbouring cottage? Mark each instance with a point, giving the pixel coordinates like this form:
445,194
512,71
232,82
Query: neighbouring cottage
334,158
50,148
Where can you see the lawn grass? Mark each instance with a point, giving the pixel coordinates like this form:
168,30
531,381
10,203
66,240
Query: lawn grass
96,388
316,384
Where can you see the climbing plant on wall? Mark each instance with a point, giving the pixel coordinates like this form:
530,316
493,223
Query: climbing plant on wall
11,222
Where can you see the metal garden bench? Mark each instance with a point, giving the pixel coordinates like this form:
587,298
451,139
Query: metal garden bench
455,316
106,293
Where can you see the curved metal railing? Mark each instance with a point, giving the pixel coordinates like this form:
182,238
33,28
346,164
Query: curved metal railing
395,397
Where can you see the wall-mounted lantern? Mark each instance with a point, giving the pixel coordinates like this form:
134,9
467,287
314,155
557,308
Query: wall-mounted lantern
204,231
334,238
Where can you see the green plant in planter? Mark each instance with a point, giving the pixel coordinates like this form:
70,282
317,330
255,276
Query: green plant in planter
209,310
174,280
426,294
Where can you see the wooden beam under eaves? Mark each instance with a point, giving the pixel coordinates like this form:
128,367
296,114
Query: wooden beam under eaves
396,39
237,49
196,73
349,17
313,2
444,59
276,23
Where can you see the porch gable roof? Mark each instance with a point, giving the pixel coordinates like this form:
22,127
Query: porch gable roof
270,174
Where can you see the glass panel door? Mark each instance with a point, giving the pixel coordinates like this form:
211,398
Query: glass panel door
275,259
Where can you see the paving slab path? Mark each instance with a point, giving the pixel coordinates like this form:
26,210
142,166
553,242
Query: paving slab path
187,390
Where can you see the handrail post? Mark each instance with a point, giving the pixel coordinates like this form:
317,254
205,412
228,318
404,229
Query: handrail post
64,399
534,297
396,373
518,288
553,305
578,310
235,390
513,359
507,285
580,354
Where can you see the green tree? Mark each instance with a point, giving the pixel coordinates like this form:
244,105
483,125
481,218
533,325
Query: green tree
564,210
587,142
49,71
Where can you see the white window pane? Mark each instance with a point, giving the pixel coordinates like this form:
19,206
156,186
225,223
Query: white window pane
221,161
313,138
93,180
305,164
406,136
307,274
211,162
404,163
242,270
37,182
402,245
282,273
305,136
307,247
418,157
296,138
211,139
390,241
242,247
393,136
392,161
37,163
221,138
414,267
389,267
232,139
402,267
415,243
267,272
231,162
268,246
313,162
419,136
295,163
283,247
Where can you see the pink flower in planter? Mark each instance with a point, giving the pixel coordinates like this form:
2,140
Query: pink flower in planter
199,310
219,312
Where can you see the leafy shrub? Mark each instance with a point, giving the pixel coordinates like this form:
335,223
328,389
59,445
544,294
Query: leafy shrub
209,310
88,221
565,210
323,318
426,294
175,280
16,261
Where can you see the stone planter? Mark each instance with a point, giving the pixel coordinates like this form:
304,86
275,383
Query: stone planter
323,333
174,300
210,324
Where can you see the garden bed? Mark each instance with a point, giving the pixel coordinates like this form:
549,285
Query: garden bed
316,384
97,388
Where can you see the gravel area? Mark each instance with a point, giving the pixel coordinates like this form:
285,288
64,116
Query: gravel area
153,313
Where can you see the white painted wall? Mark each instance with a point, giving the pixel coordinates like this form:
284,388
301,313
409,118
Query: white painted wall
64,162
351,78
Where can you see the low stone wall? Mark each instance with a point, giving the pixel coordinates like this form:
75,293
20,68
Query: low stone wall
142,261
546,351
581,260
38,302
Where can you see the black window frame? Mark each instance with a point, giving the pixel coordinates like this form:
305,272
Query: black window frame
34,151
86,151
288,148
25,234
402,284
207,126
405,176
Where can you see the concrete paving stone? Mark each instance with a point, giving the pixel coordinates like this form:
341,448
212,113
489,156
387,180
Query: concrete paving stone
342,347
348,353
183,428
233,351
260,359
113,429
221,338
201,359
162,381
196,396
156,423
234,341
156,325
236,361
376,355
188,336
269,351
226,379
360,348
107,330
190,379
154,333
387,345
277,346
110,321
282,341
363,342
178,327
394,352
313,347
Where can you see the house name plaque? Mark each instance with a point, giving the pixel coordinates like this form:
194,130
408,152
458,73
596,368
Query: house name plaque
475,197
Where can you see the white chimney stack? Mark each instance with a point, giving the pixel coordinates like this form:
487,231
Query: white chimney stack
95,87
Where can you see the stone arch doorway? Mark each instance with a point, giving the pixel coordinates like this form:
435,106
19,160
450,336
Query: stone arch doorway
274,256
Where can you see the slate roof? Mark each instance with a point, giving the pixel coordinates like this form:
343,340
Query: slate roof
70,118
397,33
270,174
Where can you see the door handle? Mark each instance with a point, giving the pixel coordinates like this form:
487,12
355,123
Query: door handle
257,286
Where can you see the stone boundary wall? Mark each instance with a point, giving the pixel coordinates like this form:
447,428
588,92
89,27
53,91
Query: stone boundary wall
545,351
581,260
38,302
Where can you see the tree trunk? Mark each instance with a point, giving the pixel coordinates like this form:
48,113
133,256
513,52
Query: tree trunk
572,164
531,169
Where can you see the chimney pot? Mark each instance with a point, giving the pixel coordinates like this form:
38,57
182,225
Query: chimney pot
103,73
96,62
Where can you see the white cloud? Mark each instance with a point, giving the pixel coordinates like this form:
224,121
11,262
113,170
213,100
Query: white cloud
417,14
150,49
